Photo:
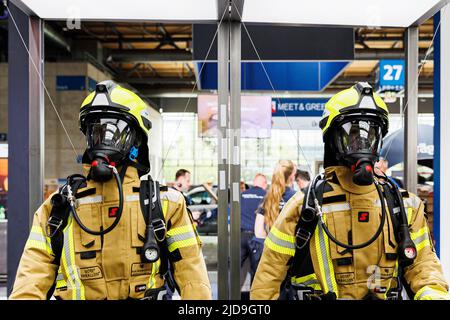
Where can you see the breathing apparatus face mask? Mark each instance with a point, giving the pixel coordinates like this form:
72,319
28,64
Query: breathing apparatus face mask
109,142
358,143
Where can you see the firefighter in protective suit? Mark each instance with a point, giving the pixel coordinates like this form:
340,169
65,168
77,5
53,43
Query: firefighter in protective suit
351,235
116,234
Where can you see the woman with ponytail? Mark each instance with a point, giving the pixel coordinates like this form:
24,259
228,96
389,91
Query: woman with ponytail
279,193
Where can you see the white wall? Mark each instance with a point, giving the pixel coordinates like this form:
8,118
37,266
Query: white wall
155,144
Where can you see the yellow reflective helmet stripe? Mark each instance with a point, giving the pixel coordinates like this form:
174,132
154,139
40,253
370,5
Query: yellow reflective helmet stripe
39,240
280,242
68,262
309,280
133,104
344,99
431,293
88,99
325,262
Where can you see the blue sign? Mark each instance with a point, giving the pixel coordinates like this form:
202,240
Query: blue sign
70,83
91,84
302,107
392,75
295,76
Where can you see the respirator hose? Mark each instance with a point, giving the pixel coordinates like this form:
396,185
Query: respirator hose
368,242
118,213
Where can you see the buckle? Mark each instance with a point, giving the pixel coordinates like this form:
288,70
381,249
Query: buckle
304,294
303,235
159,225
393,295
54,222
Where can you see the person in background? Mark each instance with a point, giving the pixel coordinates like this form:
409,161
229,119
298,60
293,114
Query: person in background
278,194
302,178
250,200
182,181
381,168
183,184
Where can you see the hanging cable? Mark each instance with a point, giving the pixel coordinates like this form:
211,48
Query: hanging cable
422,64
41,79
273,88
192,91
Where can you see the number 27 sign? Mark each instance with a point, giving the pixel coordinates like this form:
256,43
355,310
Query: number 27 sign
392,74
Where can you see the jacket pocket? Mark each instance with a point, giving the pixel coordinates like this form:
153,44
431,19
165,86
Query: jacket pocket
89,215
339,225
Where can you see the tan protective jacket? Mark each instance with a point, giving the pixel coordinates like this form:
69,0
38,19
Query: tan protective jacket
356,211
109,267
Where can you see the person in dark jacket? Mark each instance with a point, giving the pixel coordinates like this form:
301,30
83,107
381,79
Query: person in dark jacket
250,200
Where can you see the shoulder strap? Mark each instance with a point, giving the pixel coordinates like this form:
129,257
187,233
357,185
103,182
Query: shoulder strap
60,212
306,225
393,208
149,194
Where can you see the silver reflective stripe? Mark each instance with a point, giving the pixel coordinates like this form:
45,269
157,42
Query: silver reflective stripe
335,207
308,282
427,292
72,269
90,200
37,237
180,237
421,238
60,277
412,202
280,242
408,203
323,252
133,197
171,195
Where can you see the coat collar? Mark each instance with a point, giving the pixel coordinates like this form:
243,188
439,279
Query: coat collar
343,176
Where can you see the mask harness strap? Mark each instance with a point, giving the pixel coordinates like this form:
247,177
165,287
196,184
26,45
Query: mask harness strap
65,199
406,248
319,213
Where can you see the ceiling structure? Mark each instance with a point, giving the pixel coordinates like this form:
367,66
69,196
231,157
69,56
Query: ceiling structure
157,57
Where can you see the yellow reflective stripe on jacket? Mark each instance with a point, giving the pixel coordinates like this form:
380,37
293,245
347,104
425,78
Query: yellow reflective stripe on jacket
60,281
325,261
309,280
181,237
165,207
38,239
155,270
409,214
421,238
68,263
429,293
280,242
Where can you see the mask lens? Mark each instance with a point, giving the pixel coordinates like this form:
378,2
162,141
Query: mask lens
359,136
111,133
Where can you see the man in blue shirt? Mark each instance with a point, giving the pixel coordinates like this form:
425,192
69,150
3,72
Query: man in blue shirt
250,200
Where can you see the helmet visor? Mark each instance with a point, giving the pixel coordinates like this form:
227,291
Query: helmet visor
359,136
110,133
